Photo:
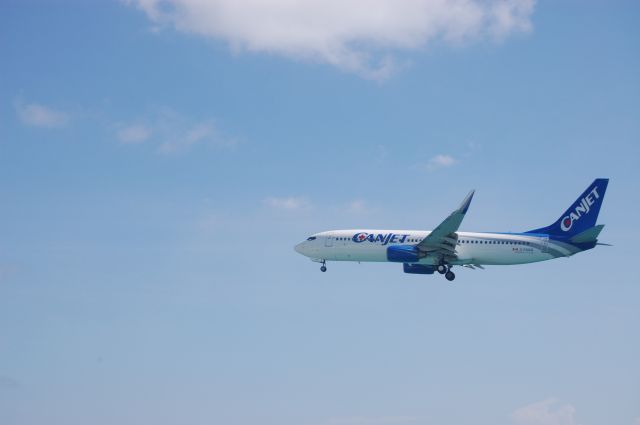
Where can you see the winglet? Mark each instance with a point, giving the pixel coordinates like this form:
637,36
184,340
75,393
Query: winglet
467,201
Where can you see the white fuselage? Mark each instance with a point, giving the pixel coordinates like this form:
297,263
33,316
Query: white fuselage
471,248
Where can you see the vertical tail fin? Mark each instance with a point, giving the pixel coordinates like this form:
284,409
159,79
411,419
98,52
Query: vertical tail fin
581,215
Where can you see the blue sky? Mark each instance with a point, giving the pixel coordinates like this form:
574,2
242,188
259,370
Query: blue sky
159,160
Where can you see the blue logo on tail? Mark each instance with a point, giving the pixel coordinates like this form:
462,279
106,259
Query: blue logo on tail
583,208
580,216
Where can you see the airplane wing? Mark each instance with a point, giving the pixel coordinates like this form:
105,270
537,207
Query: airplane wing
443,239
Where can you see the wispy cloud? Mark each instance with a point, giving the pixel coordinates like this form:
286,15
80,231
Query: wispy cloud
8,383
291,203
136,133
358,36
357,206
546,412
382,153
170,132
440,161
38,115
374,420
197,133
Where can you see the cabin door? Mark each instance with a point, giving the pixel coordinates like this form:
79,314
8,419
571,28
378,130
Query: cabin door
545,244
328,242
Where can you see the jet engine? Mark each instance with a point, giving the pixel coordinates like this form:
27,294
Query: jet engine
403,253
418,269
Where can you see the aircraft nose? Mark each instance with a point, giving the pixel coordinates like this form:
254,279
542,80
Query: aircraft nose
299,248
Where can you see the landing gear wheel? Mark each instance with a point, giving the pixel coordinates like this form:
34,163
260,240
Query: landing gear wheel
323,269
450,276
442,269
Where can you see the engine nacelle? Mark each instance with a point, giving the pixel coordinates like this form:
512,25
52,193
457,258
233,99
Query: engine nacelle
403,253
418,269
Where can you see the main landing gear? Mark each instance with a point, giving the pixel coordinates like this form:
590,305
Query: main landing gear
323,268
450,276
446,271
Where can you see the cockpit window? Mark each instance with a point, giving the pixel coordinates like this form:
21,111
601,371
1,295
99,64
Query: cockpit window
311,238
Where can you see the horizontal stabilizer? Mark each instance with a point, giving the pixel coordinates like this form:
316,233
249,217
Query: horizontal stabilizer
589,235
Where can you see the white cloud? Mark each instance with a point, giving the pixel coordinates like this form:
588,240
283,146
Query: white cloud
382,153
291,203
8,383
546,412
38,115
357,206
170,132
197,133
440,161
136,133
359,36
373,420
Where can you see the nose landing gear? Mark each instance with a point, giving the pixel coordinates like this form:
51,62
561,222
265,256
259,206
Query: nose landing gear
323,268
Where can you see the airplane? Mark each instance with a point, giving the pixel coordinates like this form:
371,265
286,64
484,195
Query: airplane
425,252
